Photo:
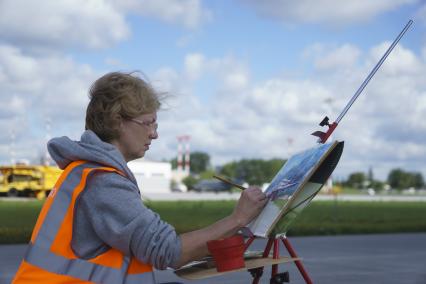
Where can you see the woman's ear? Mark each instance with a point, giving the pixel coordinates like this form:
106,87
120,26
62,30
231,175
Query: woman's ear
119,124
119,119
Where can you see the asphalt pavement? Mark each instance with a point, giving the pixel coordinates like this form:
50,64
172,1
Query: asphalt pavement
387,258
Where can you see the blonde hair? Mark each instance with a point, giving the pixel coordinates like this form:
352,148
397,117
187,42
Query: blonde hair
116,96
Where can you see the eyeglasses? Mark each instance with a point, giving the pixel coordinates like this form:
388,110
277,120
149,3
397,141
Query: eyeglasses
151,125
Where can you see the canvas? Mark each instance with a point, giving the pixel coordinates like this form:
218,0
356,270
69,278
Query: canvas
294,186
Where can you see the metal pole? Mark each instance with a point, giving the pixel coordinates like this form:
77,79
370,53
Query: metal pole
361,88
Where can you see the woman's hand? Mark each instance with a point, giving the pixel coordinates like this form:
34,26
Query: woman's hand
249,205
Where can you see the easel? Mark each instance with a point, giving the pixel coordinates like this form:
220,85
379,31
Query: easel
274,242
277,278
322,138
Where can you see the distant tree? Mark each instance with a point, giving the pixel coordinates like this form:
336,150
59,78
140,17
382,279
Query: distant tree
400,179
370,176
200,162
253,171
418,181
377,185
272,167
356,180
397,179
174,163
208,174
229,169
189,181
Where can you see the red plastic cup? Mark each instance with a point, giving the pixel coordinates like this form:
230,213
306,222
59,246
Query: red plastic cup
227,253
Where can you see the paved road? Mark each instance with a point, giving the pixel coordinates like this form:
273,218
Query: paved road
393,258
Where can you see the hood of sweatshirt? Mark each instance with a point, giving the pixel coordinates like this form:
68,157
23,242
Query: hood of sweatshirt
90,148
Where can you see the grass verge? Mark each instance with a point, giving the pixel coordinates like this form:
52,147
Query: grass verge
17,219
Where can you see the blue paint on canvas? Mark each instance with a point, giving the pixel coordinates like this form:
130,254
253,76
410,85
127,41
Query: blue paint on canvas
294,171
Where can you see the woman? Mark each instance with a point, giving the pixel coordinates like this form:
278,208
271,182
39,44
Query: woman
94,227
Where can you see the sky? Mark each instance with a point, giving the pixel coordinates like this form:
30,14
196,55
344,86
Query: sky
244,78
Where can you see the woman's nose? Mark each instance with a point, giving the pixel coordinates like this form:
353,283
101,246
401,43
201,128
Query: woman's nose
154,134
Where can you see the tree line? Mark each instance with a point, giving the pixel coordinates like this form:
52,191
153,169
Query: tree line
396,179
260,171
252,171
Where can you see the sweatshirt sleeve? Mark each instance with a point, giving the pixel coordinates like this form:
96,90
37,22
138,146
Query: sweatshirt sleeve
114,208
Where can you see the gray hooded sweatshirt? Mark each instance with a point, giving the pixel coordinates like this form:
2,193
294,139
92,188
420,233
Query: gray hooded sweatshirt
109,212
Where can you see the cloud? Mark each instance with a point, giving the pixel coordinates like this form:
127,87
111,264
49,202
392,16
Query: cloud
185,40
11,107
384,129
194,65
342,57
330,12
232,74
114,62
54,80
235,116
39,82
421,15
386,122
189,13
188,112
50,23
94,24
242,118
400,61
36,89
424,53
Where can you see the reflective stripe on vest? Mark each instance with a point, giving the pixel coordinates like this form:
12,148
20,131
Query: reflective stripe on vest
50,252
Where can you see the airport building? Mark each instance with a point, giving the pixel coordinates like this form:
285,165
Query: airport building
152,177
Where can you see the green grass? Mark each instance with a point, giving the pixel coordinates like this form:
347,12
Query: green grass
332,218
321,218
17,220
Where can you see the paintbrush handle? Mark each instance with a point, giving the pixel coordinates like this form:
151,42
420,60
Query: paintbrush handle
229,182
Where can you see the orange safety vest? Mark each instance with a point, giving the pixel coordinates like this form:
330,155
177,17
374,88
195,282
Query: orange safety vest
50,258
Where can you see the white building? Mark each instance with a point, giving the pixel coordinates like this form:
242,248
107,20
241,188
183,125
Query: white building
152,177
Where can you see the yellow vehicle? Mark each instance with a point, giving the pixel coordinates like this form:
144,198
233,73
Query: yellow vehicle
28,180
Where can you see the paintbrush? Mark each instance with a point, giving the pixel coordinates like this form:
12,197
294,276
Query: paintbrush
225,180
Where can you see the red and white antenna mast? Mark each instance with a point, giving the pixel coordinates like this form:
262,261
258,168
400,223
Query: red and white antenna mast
181,158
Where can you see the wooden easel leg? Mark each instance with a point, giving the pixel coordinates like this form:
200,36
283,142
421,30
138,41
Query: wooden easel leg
278,278
276,255
257,272
298,262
